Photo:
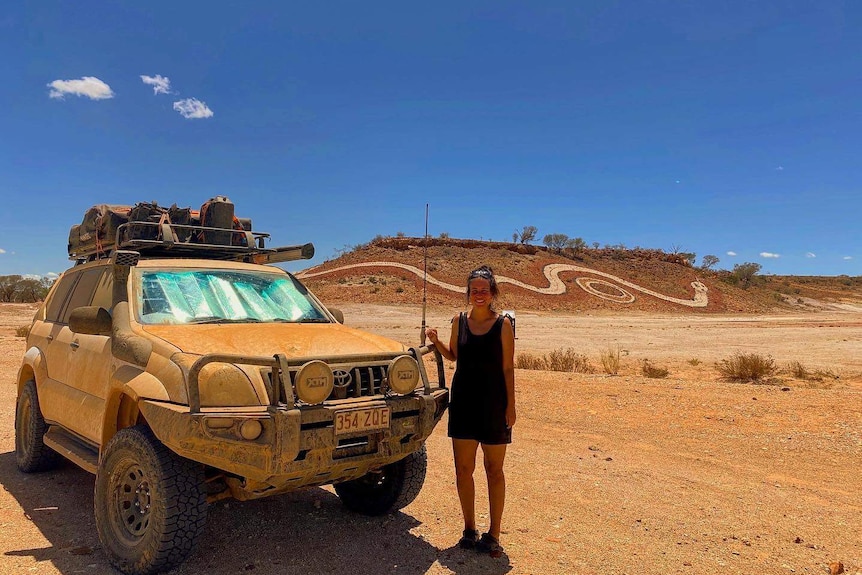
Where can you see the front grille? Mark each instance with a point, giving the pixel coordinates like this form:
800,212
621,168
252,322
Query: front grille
350,381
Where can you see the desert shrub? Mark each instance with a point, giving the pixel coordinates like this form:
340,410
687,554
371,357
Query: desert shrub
565,360
653,371
399,289
611,360
22,331
694,361
529,361
747,367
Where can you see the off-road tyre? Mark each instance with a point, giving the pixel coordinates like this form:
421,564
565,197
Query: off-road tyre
31,453
392,488
150,504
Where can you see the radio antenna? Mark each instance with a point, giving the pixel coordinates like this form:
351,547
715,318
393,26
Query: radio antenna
424,279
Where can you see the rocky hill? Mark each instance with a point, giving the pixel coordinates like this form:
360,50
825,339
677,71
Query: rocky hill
390,271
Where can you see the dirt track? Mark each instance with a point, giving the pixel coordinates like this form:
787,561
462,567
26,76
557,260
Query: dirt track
606,475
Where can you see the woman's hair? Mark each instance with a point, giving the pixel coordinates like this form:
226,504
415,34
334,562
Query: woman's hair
485,273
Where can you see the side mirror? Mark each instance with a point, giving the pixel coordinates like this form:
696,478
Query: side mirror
91,320
337,314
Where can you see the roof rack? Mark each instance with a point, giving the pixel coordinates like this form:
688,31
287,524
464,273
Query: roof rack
166,240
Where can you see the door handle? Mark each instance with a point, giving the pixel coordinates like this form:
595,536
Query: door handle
74,345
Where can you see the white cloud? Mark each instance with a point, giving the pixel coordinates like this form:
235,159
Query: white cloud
52,275
2,251
193,108
88,86
731,254
160,84
848,257
810,255
769,255
779,169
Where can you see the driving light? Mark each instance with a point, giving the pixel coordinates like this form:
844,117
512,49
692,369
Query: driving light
403,374
313,382
224,384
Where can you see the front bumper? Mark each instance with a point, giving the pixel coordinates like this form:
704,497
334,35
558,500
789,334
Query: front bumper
296,447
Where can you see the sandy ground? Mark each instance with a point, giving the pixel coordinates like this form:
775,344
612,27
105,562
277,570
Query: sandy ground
619,474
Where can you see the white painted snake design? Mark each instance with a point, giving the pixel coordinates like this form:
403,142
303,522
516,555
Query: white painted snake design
556,286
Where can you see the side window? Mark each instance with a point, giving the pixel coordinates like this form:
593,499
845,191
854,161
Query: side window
58,298
104,291
82,295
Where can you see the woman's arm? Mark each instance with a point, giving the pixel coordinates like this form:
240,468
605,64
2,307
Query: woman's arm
450,352
508,336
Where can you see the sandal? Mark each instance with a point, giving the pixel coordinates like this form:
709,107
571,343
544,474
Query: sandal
490,545
469,539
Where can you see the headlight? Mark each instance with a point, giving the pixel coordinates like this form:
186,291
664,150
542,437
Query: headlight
225,385
403,374
313,382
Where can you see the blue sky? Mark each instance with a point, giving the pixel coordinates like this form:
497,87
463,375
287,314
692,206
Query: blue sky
713,127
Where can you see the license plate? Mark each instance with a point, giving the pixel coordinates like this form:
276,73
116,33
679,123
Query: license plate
356,420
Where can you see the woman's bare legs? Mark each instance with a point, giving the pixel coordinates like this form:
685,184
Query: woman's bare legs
465,464
494,457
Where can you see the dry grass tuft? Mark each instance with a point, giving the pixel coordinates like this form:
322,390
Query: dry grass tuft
23,331
752,367
798,371
653,371
566,360
611,360
694,361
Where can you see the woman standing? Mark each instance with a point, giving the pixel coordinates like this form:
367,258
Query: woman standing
482,405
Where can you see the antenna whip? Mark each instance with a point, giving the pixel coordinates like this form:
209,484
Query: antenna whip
424,279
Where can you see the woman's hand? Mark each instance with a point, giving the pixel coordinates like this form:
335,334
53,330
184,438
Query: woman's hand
510,415
431,333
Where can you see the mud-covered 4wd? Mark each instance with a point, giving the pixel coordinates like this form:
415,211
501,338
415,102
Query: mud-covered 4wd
180,372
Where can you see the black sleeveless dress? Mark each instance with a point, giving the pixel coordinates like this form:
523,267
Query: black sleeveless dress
477,406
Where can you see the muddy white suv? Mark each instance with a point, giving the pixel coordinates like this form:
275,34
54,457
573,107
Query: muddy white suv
179,381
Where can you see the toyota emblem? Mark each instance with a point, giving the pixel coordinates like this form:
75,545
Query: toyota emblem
342,378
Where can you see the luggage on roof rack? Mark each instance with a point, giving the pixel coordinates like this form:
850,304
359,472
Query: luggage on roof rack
214,232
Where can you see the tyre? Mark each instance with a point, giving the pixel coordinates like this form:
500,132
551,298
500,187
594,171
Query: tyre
392,488
31,453
150,504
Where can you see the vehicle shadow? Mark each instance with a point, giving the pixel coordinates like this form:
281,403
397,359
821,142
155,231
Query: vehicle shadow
304,532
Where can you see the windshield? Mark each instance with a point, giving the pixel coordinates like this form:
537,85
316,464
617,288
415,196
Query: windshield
223,296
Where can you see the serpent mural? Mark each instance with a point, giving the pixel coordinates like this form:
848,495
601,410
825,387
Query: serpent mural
556,286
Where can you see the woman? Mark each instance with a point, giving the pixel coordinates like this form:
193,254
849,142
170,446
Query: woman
482,406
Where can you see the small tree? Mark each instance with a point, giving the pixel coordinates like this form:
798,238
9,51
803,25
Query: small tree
708,261
444,235
576,244
689,257
528,234
744,275
556,242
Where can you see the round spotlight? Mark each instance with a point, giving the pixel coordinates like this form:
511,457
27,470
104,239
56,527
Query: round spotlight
250,429
403,374
313,382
